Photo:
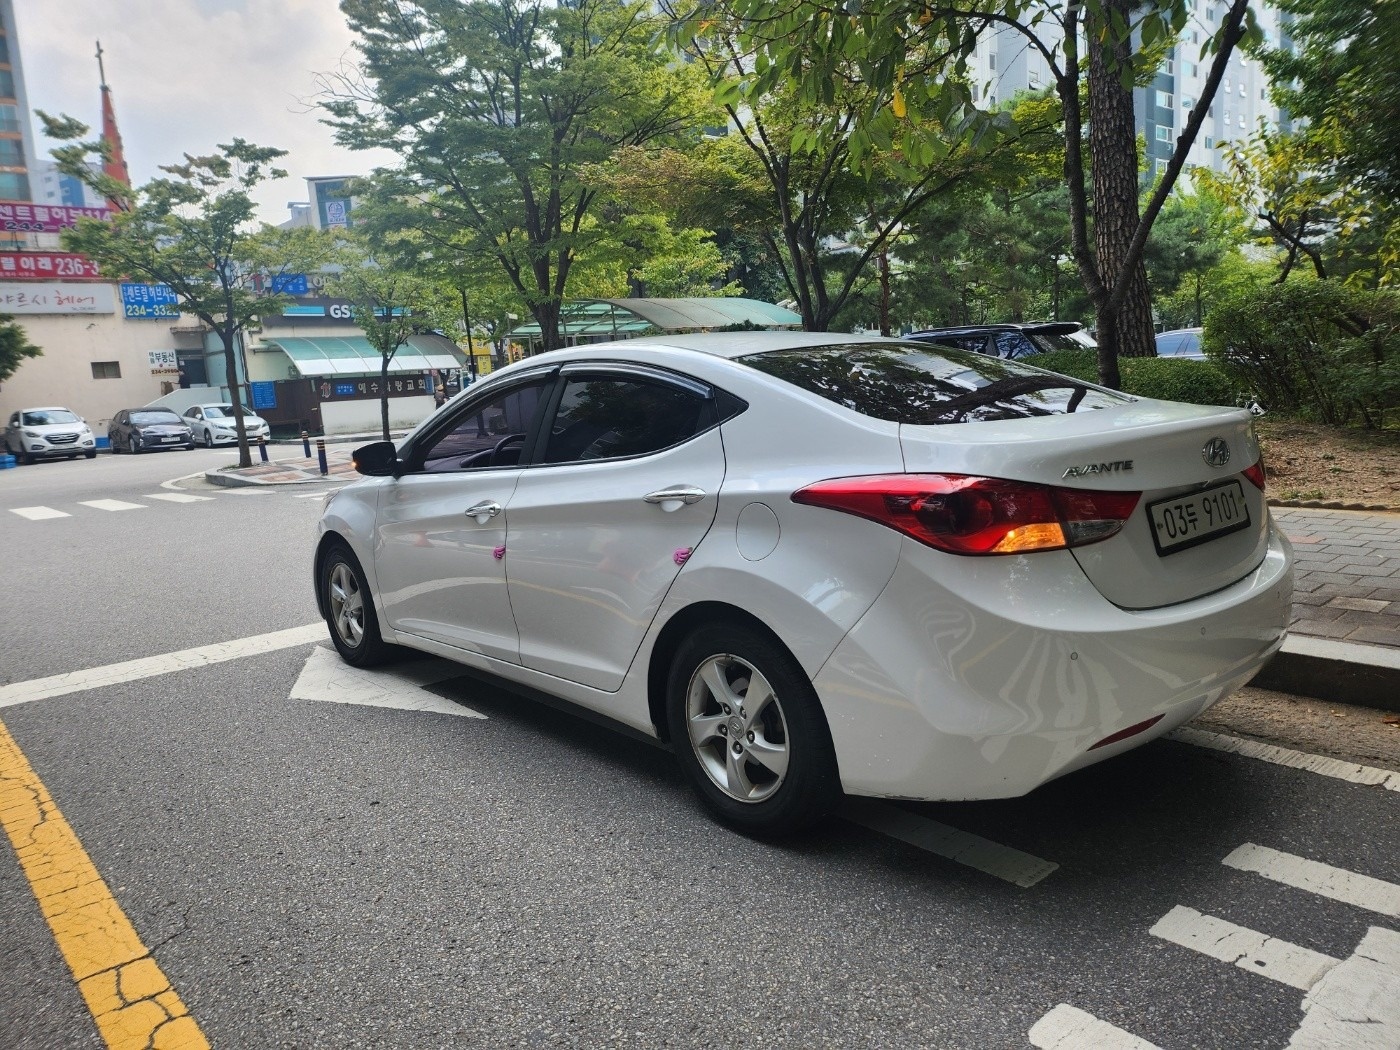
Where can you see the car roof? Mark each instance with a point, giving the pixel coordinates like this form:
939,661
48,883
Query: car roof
718,344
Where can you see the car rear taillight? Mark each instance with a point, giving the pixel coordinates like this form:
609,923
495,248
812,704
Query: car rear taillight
963,514
1256,474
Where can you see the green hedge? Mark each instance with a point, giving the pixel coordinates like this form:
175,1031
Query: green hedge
1170,379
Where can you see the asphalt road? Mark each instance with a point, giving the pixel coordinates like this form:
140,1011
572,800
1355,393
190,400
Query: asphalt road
316,874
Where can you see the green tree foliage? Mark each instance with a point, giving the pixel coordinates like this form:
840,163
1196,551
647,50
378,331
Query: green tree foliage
1191,237
390,300
915,54
497,107
193,230
14,347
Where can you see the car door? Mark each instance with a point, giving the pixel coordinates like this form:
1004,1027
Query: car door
194,416
623,486
441,531
115,430
12,433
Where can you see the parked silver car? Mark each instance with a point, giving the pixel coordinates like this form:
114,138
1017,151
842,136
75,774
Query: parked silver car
48,433
214,424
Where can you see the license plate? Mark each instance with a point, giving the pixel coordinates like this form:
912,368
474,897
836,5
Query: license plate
172,439
1185,521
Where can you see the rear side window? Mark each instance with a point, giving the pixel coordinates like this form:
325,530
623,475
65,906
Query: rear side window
922,384
603,417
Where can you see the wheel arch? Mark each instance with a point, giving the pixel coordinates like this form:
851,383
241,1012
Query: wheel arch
328,540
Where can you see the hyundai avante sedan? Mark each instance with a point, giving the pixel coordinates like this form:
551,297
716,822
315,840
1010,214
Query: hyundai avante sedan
819,564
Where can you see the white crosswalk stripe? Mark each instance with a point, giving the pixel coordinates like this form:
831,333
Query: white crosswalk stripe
1336,884
1287,963
1069,1028
111,504
39,513
177,497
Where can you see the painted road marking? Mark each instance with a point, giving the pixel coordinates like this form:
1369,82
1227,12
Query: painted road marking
308,495
39,513
987,856
177,497
1287,963
151,666
111,504
328,678
1327,767
1336,884
1357,1004
130,998
1069,1028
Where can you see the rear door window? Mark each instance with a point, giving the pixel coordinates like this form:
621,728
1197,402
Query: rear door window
923,384
612,417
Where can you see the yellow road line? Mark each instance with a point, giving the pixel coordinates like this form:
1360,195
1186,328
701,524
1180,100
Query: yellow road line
130,998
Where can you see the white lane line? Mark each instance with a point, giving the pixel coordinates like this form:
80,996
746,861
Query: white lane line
987,856
177,497
1282,961
111,504
1327,767
1336,884
1357,1004
1069,1028
308,495
151,666
39,513
328,678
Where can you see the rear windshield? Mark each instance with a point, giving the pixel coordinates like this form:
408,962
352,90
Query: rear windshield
923,384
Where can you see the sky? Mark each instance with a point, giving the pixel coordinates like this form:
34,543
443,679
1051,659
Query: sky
188,74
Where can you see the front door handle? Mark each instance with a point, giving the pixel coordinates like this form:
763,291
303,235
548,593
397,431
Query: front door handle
673,497
484,511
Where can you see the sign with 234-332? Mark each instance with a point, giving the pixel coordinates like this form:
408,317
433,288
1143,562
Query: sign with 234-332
149,300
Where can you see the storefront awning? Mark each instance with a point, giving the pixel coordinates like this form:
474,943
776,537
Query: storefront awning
353,355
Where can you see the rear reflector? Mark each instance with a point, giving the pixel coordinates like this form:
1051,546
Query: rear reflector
963,514
1123,734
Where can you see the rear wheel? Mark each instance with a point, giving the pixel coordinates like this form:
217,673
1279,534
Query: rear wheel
349,610
749,731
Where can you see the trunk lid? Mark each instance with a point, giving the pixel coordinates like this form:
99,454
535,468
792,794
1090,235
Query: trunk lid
1199,526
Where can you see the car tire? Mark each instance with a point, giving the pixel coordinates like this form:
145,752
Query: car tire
349,610
133,445
208,439
92,454
783,776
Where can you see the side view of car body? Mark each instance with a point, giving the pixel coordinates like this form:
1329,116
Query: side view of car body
819,564
48,433
1011,341
214,424
1181,342
137,430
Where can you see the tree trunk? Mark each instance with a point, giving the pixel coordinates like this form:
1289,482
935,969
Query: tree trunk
884,263
245,457
547,317
384,396
1113,149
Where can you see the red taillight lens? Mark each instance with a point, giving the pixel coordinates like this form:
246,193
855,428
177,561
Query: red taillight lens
1256,474
963,514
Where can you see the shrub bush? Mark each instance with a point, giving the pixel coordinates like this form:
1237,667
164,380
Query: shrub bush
1328,352
1195,382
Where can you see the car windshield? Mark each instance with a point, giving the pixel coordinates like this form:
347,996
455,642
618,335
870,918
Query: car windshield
924,384
149,418
225,412
48,416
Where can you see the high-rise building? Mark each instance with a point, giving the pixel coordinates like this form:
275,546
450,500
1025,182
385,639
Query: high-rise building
1005,63
17,156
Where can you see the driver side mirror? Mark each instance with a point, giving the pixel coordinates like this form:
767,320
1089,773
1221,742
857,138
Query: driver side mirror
379,459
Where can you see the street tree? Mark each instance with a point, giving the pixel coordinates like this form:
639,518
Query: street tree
1192,236
192,229
14,347
915,55
497,106
392,298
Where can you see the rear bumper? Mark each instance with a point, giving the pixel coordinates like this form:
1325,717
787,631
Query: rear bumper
985,677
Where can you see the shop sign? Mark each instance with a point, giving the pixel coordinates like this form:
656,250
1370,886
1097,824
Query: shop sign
23,217
57,299
164,362
363,389
149,301
47,266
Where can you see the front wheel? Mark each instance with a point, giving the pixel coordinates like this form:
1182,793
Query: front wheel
133,445
349,610
749,731
90,454
208,439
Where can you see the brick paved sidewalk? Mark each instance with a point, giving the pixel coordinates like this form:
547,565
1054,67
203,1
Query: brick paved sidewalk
289,471
1348,574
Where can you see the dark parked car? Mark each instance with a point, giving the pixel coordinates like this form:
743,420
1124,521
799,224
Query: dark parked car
138,429
1012,341
1181,342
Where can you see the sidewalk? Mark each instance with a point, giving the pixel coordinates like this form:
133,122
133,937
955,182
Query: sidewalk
1344,642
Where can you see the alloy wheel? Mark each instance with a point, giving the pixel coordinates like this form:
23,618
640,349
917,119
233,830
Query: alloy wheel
737,728
347,605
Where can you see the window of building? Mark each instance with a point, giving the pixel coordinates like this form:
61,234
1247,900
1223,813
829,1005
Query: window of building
1241,120
1164,99
7,84
1163,134
106,370
1187,103
1160,166
1241,89
13,186
11,153
992,60
1263,94
4,49
976,93
1170,68
9,118
1210,142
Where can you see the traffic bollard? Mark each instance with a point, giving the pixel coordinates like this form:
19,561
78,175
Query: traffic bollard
262,448
321,455
306,444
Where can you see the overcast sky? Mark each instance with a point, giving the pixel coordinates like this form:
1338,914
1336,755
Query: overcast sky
187,74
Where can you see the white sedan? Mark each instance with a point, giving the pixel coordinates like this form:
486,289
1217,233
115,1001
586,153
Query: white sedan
215,424
819,564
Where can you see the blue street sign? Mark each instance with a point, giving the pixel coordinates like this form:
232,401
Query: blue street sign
264,394
149,300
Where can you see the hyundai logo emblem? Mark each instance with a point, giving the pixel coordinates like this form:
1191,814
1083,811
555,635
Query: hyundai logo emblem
1216,452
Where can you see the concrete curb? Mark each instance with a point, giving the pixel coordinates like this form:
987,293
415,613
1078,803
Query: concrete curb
1317,504
1344,672
234,481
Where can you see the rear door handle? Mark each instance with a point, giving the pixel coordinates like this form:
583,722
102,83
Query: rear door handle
676,494
484,511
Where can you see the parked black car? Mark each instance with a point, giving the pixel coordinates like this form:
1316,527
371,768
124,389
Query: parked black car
138,429
1011,340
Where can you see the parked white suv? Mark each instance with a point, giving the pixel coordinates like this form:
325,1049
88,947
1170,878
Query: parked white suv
48,433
